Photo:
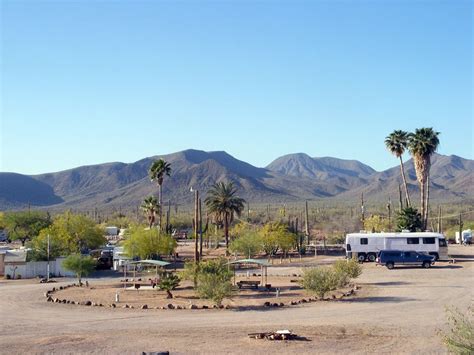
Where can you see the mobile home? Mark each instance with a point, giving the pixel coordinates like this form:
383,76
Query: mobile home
365,246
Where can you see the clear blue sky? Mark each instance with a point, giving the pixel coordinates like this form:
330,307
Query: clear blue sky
86,82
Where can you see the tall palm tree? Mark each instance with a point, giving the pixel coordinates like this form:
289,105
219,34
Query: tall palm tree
223,202
422,144
150,206
397,142
158,170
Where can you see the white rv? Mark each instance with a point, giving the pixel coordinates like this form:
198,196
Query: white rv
365,246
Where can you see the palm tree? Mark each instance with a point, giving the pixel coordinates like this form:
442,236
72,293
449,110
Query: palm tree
158,170
150,206
397,142
223,202
422,144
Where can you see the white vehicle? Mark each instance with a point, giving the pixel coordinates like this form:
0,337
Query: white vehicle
466,237
365,246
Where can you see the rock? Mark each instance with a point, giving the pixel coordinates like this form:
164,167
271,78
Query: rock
61,288
267,304
113,305
192,306
356,287
333,297
170,306
275,305
100,305
293,303
126,306
68,302
144,306
179,307
57,300
227,306
163,307
282,304
304,300
87,303
205,307
214,306
49,299
46,294
53,289
221,306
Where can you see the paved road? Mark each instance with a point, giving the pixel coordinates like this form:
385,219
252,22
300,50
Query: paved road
397,311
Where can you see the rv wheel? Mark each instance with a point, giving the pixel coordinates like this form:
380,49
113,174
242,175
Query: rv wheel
361,257
371,257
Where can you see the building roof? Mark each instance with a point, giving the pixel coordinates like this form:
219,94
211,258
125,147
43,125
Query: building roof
15,256
150,262
250,261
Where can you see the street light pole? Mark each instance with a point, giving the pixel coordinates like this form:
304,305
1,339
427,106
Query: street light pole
47,268
196,225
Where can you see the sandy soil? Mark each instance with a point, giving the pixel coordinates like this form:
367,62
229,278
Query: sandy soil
400,311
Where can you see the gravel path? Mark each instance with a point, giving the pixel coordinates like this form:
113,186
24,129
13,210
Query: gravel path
397,311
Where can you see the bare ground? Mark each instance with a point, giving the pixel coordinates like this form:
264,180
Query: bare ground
399,311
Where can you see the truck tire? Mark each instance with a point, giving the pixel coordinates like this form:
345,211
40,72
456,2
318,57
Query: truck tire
390,265
426,264
361,257
371,257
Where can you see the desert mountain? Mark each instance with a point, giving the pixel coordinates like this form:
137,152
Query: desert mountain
293,177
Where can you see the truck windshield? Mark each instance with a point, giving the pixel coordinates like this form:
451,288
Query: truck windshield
442,243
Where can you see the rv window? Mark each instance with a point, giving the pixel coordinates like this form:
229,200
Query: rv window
442,243
428,241
364,241
348,247
413,240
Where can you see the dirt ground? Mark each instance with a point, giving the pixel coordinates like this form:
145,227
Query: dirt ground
399,311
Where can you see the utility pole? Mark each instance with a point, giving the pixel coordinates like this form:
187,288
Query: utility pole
362,209
196,218
248,212
439,219
47,268
306,222
389,208
200,230
461,224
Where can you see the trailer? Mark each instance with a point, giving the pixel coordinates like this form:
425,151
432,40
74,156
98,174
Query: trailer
365,246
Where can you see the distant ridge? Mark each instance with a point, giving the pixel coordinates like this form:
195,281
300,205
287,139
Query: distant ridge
292,177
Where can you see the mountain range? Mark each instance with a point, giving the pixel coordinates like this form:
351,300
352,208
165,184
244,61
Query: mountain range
293,177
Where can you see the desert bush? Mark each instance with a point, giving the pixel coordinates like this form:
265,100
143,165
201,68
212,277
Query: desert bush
214,280
168,283
460,337
321,280
351,269
214,287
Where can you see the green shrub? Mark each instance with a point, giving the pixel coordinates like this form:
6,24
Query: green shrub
460,338
351,268
213,279
214,287
321,280
168,283
80,265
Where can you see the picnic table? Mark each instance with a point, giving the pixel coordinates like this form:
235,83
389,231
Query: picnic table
248,283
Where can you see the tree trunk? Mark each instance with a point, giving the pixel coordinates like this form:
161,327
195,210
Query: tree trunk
422,203
425,218
226,232
405,181
160,201
169,294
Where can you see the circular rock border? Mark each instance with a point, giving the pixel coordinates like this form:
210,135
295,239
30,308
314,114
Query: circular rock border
49,298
